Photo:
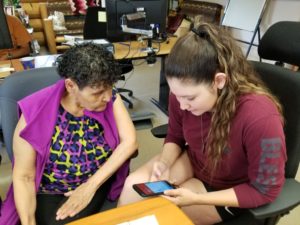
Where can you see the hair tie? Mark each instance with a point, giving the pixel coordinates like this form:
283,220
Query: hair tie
201,33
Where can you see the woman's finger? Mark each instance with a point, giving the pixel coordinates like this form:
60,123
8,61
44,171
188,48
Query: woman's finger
173,192
68,194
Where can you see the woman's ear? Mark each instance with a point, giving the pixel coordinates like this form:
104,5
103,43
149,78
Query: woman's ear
220,80
71,86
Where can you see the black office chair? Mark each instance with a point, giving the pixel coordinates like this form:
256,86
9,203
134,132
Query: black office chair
94,29
281,43
285,84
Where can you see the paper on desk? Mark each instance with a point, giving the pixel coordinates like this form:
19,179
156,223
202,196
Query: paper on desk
102,17
79,41
149,220
96,41
45,60
5,71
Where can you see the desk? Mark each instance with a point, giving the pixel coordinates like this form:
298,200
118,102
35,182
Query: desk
130,50
122,49
14,63
166,214
40,61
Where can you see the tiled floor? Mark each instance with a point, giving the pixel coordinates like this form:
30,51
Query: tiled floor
144,82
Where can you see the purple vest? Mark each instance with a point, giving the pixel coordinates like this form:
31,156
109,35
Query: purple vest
43,106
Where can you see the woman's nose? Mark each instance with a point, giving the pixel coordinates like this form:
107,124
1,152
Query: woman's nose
184,105
106,97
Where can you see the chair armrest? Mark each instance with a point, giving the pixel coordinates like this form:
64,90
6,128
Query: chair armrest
160,131
135,154
288,199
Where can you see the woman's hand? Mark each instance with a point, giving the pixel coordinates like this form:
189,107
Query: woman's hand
78,200
181,196
160,171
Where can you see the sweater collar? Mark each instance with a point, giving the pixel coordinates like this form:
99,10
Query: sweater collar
38,131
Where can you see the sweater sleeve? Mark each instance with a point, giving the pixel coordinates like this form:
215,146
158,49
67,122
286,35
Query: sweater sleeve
266,161
175,129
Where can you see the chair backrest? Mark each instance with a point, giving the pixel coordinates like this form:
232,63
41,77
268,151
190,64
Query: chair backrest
285,84
281,42
14,88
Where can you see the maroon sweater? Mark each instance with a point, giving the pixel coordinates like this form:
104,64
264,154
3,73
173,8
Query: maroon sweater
254,159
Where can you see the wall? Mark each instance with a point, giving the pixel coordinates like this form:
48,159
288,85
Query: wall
277,10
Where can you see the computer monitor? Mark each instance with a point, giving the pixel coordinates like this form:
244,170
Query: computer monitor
155,13
5,38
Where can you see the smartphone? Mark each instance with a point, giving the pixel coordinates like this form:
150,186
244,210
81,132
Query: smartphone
152,188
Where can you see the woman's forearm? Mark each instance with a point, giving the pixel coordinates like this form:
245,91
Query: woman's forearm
25,200
127,146
122,153
24,176
170,153
186,197
219,198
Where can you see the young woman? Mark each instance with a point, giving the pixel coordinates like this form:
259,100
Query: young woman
71,144
225,145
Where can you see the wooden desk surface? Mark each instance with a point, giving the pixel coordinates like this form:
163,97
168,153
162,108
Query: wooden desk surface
122,49
132,49
166,213
15,63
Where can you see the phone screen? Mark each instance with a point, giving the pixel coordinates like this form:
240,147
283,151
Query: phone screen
152,188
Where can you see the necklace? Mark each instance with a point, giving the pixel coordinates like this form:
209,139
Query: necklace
203,140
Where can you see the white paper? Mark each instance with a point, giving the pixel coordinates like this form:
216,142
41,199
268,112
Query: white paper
149,220
103,4
44,60
96,41
6,69
102,16
69,38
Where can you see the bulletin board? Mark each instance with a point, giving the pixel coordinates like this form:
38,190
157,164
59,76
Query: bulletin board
243,14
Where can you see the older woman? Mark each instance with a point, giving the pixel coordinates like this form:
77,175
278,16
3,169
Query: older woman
71,144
